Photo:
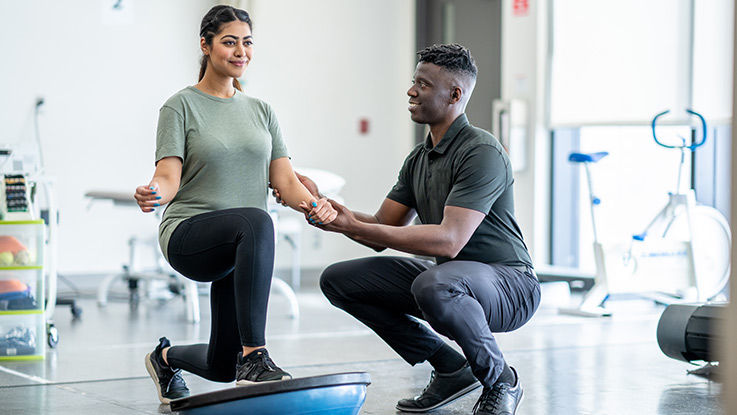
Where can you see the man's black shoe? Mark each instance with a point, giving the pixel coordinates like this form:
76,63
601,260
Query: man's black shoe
258,367
169,382
500,399
443,389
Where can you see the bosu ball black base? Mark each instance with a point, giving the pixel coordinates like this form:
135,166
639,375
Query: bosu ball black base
336,394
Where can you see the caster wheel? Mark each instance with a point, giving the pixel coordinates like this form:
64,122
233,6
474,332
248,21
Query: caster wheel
76,311
52,336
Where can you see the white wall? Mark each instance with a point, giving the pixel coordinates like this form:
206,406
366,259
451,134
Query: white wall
104,76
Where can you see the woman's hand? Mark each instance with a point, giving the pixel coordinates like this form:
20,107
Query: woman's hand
169,174
321,212
343,222
148,197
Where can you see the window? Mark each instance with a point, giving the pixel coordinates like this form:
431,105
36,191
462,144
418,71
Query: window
614,65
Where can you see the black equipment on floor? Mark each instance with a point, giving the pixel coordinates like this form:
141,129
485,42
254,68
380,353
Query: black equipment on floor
688,332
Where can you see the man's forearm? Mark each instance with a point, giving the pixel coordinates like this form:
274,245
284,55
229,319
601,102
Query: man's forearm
366,218
429,240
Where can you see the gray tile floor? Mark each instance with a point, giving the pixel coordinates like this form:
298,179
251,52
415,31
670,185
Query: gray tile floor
568,365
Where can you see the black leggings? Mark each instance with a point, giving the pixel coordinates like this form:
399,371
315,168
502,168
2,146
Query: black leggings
233,249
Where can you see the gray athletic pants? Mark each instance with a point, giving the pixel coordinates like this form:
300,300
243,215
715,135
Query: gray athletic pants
466,301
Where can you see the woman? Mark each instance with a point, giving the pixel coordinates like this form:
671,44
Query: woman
217,149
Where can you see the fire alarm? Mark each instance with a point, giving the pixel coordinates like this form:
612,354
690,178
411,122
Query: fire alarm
363,126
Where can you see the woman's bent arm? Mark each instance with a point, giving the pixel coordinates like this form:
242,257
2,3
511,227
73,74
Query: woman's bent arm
295,194
163,186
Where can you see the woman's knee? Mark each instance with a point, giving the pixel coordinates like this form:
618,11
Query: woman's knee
257,221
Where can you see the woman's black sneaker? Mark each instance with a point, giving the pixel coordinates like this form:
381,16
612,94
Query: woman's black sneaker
169,382
258,367
443,389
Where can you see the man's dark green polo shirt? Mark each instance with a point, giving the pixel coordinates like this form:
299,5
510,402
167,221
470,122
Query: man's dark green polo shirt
470,169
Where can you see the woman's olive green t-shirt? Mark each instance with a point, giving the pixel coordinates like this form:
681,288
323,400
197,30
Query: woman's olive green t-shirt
226,146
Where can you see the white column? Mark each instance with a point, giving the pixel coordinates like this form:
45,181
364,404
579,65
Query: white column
524,77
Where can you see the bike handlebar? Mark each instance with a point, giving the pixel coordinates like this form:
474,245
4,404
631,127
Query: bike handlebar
691,147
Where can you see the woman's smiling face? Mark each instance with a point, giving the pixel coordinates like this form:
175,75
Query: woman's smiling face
231,49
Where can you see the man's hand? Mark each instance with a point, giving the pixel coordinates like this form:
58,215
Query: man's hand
306,182
309,184
343,223
321,212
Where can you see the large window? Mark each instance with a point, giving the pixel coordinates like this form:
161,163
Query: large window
614,65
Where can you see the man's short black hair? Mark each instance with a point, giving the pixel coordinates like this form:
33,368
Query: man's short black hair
453,57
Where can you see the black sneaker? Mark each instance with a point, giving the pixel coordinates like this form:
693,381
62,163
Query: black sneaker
500,399
257,367
443,389
169,382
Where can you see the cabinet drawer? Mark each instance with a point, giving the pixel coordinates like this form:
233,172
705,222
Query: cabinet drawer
22,335
21,243
21,289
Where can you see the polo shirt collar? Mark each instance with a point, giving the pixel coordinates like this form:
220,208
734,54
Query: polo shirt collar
449,135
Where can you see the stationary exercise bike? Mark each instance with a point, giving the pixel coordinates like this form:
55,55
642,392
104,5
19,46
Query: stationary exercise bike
682,254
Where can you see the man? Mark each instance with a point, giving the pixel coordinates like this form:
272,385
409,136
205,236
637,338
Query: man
459,183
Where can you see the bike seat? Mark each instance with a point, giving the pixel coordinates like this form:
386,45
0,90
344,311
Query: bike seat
587,157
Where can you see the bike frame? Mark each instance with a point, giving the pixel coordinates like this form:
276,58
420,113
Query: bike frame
599,293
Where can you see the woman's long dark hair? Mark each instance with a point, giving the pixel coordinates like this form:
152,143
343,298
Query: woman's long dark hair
210,26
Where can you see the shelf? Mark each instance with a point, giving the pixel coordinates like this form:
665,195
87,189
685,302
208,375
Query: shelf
23,357
22,222
20,312
21,267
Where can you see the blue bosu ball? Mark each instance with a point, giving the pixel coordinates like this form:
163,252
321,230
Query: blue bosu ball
336,394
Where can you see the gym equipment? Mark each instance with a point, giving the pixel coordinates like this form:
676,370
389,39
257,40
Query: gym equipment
687,331
685,247
336,394
28,207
